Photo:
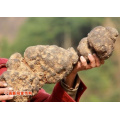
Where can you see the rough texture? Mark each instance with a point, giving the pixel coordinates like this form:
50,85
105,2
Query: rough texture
100,40
40,65
84,48
49,64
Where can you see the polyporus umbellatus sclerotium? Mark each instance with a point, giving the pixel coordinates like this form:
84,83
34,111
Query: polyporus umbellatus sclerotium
43,64
100,40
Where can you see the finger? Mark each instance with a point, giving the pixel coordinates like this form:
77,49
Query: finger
3,84
77,67
97,60
6,97
3,90
88,67
83,62
92,60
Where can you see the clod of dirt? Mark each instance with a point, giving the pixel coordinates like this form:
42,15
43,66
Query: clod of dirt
100,40
84,48
43,64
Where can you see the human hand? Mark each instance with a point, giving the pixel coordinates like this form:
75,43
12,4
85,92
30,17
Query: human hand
3,89
83,65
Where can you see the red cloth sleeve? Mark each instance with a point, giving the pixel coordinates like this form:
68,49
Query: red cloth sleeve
58,94
3,68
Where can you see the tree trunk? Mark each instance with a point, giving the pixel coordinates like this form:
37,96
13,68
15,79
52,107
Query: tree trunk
67,42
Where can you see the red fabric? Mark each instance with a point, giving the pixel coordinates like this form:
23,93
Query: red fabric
2,67
58,94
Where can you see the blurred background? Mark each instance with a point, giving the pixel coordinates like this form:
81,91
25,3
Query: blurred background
17,33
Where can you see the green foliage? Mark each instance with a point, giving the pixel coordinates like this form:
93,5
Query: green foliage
100,82
51,30
49,88
5,50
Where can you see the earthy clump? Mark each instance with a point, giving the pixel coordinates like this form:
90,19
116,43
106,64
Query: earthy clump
100,40
43,64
